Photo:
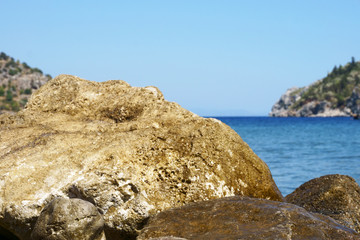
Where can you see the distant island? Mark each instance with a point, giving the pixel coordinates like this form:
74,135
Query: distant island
17,82
337,94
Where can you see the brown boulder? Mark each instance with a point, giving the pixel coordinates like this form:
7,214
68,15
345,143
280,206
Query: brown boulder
337,196
243,218
125,149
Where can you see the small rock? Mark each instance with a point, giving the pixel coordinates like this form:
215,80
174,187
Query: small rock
73,219
244,218
337,196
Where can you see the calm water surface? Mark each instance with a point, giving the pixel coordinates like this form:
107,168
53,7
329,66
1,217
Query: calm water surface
299,149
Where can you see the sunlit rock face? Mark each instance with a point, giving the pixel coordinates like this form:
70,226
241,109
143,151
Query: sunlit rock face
337,196
124,149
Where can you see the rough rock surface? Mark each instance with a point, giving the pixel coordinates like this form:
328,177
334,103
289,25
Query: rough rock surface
244,218
124,149
73,219
337,196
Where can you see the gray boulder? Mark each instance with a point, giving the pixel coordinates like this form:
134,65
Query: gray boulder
64,219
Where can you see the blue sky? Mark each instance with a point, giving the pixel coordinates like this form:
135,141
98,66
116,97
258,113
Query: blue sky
230,57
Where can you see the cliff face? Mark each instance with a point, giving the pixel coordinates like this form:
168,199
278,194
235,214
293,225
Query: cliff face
335,95
17,82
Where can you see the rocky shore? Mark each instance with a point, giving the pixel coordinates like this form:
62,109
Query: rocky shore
89,160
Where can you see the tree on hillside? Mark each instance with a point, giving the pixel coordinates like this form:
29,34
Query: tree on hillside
340,69
34,70
3,56
10,63
26,66
9,95
343,83
27,91
357,79
334,71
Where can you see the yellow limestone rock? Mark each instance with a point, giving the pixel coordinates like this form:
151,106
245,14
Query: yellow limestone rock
125,149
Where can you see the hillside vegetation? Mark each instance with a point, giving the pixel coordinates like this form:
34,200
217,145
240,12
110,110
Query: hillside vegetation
334,95
336,87
17,82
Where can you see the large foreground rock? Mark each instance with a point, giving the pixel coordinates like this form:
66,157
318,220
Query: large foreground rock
124,149
244,218
337,196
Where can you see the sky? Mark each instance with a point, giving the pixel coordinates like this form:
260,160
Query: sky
214,58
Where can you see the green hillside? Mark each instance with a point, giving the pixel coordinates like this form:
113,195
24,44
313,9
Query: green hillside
335,88
17,81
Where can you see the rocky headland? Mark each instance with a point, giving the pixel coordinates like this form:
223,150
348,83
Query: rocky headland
335,95
90,160
17,82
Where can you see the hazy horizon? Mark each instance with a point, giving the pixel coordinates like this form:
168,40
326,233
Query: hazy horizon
229,58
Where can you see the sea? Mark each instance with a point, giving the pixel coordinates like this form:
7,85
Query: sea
300,149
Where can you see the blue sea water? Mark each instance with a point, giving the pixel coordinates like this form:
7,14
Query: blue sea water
300,149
